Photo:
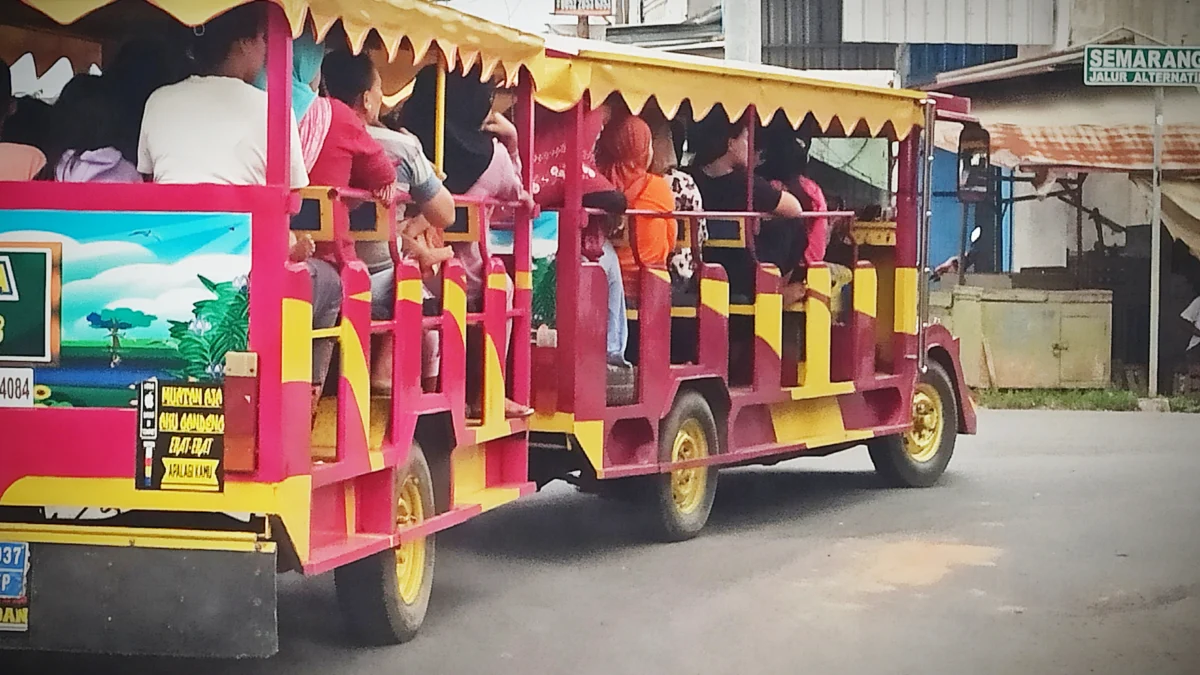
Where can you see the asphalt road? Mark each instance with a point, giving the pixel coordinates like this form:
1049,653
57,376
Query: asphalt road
1057,543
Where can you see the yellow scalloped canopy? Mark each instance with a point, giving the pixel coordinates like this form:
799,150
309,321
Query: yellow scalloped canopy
573,67
422,24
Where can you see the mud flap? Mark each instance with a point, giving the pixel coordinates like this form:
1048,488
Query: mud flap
145,601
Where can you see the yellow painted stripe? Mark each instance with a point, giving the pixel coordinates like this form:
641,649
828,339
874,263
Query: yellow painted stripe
866,289
714,294
814,422
191,540
590,435
289,500
524,280
818,326
357,373
559,422
768,319
468,469
296,347
906,300
493,377
351,507
364,296
410,290
490,498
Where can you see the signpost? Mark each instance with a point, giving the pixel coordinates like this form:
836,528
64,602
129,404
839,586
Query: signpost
1158,67
583,9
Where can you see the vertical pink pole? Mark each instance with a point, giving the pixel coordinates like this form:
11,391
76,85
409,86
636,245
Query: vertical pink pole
908,165
522,248
572,220
279,97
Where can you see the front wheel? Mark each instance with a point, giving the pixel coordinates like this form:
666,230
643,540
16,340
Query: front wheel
919,457
384,597
682,499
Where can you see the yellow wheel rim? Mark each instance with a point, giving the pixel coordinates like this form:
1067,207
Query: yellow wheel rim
688,485
925,437
410,556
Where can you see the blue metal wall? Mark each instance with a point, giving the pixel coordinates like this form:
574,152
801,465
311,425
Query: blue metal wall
945,227
924,61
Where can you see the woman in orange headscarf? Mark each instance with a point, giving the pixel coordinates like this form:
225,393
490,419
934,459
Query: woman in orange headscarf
623,155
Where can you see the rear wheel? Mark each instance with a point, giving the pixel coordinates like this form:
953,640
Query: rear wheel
682,499
919,457
384,597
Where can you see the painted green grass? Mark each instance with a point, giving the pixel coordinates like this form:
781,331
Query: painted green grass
1074,399
92,397
130,349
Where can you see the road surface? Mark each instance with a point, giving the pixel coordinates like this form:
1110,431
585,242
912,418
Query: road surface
1058,543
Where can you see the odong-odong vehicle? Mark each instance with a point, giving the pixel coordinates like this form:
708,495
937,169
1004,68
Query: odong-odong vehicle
729,378
162,460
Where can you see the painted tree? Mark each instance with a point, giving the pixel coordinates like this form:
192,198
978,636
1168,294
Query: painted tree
116,320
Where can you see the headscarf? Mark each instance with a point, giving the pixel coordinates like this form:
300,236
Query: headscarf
468,149
307,56
623,154
313,115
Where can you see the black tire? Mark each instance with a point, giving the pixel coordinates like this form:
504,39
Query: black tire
368,590
891,454
668,520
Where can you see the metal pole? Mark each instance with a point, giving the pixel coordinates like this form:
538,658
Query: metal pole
925,167
1156,241
964,237
583,28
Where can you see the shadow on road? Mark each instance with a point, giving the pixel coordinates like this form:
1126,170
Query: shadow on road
566,527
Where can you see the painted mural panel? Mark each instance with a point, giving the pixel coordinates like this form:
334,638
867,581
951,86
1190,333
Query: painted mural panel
130,296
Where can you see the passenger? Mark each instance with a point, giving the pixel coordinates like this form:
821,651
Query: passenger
28,122
549,182
18,162
88,126
140,67
786,166
623,155
687,198
481,160
355,81
313,113
212,128
720,169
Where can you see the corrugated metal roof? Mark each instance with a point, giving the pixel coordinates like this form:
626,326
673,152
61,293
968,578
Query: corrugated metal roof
1087,147
997,22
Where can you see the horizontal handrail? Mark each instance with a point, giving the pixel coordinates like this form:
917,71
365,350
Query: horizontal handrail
722,214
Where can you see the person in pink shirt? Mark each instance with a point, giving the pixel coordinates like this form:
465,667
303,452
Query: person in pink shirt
18,162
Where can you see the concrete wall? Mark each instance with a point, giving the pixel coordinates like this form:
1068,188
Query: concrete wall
1175,22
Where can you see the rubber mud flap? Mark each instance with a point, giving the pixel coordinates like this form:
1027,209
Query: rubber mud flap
146,601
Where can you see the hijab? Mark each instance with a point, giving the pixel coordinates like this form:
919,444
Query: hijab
307,56
468,149
313,115
623,154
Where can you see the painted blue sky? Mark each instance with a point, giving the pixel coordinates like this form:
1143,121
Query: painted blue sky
143,261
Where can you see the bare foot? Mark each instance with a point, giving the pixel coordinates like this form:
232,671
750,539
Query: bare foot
512,409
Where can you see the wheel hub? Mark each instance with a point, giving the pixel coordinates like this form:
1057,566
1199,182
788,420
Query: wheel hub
689,485
410,556
925,437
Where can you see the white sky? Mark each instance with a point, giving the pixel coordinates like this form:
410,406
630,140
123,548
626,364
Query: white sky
528,15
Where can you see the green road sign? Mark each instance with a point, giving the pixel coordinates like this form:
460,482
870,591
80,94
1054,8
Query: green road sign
1141,66
30,282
